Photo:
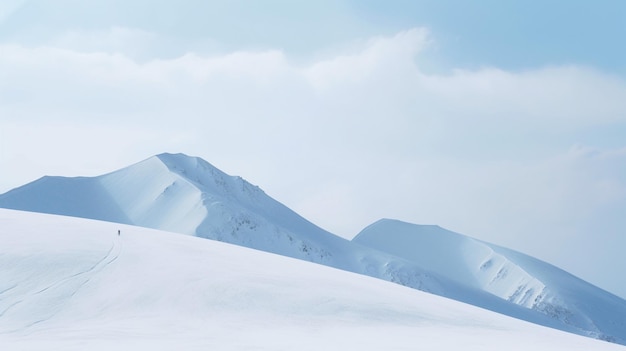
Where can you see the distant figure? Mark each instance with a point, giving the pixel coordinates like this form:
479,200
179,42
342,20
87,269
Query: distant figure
118,232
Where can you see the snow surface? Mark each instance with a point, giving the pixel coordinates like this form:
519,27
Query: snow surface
187,195
74,284
508,274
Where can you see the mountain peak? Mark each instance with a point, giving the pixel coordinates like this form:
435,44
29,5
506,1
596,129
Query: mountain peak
181,161
208,178
392,221
187,166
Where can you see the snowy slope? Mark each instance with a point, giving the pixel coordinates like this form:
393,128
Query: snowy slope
187,195
505,273
74,284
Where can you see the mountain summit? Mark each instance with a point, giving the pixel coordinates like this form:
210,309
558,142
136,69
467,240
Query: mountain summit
187,195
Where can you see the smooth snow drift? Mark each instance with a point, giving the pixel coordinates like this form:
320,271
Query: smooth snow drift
74,284
187,195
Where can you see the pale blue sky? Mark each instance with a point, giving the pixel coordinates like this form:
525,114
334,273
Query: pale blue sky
469,34
516,34
503,120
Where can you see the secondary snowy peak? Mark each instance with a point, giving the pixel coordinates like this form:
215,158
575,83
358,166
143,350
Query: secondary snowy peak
457,257
507,274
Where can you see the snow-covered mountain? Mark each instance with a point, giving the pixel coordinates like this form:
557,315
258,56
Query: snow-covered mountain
74,284
187,195
510,275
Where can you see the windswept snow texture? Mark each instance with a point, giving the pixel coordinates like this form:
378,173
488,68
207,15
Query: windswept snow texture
510,275
183,194
74,284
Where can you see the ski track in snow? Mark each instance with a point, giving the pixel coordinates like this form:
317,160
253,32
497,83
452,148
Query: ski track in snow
73,282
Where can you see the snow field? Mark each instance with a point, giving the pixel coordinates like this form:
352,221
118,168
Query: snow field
74,284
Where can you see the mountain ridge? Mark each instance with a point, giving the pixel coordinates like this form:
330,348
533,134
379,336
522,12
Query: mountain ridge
509,274
187,195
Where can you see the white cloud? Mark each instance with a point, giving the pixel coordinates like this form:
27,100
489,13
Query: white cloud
382,57
127,41
553,97
344,140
